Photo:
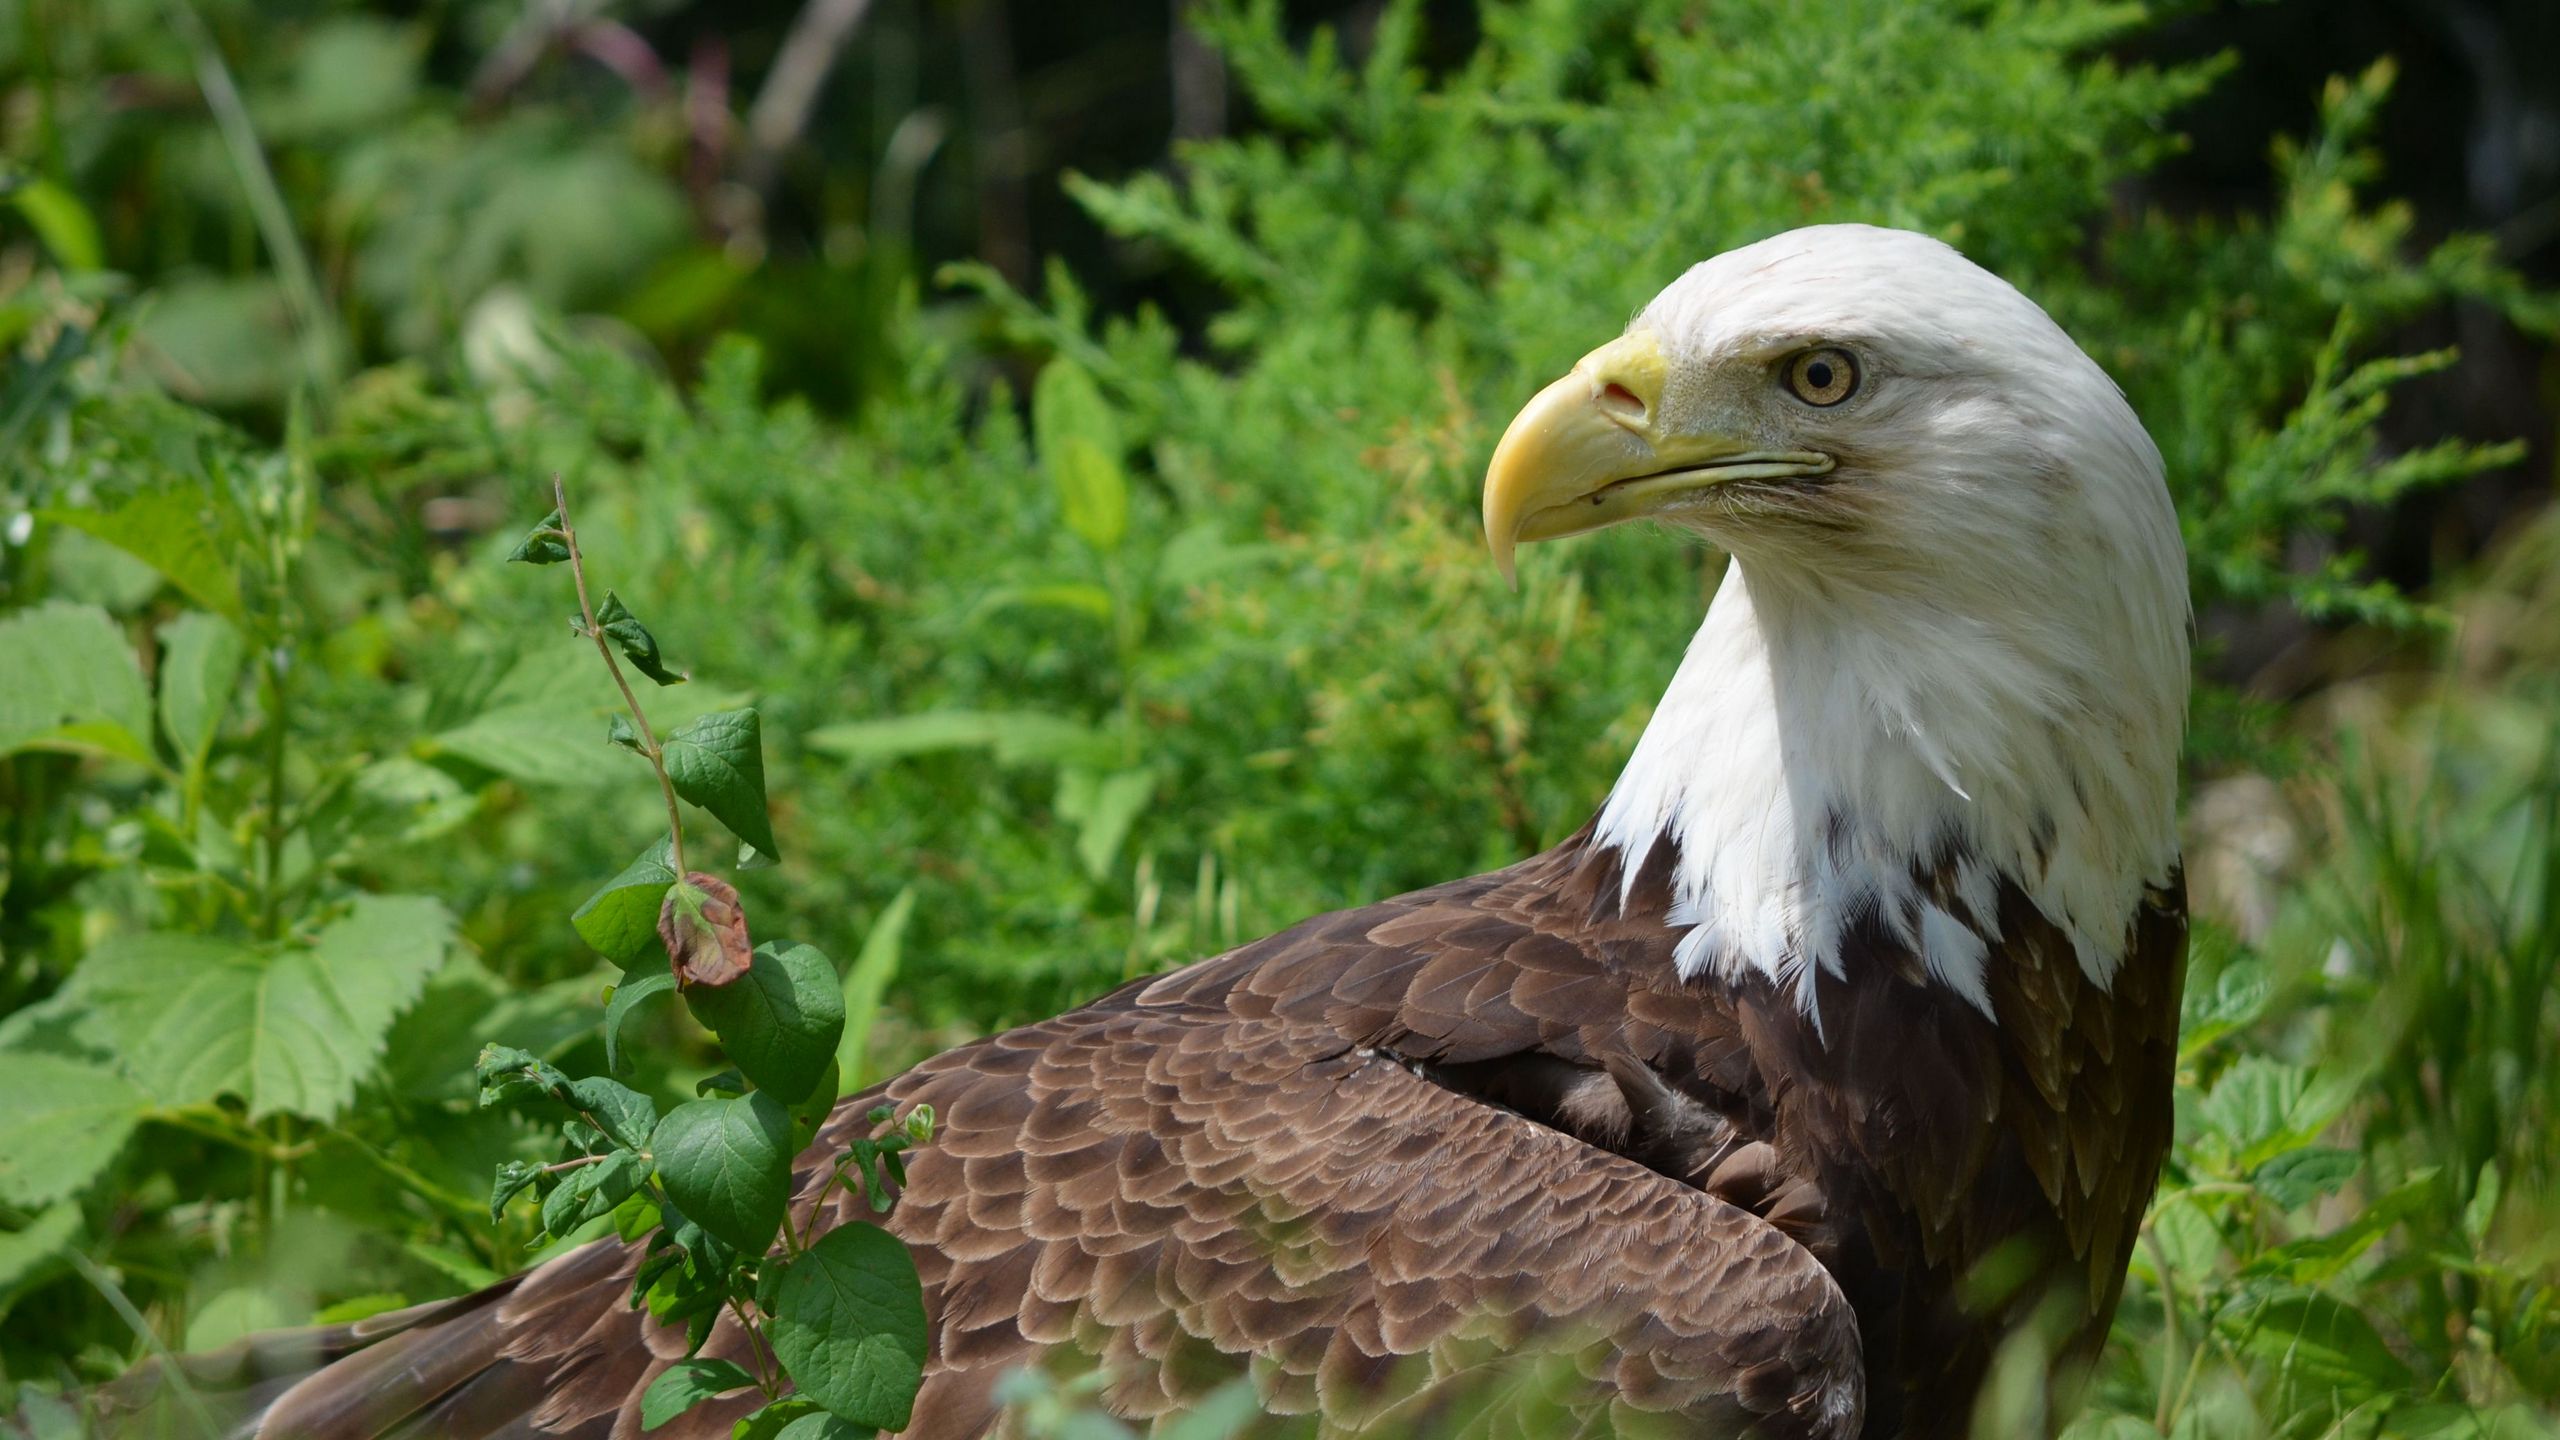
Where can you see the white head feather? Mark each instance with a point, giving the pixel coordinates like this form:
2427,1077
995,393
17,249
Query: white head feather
1976,655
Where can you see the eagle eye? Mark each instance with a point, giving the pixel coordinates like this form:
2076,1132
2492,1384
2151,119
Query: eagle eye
1822,377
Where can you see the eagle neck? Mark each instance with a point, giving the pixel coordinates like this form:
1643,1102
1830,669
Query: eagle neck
1833,771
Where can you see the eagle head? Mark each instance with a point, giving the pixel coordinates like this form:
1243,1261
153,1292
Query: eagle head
1954,639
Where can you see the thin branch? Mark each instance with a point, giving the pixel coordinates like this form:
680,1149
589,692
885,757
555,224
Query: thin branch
604,647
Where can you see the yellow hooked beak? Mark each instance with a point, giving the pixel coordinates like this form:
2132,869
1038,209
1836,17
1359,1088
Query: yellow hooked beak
1589,451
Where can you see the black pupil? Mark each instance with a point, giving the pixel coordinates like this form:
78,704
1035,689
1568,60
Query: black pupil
1818,374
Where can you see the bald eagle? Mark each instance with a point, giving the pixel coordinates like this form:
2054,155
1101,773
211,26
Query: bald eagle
1834,1049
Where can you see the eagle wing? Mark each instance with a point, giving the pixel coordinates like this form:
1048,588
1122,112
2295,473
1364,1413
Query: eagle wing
1296,1161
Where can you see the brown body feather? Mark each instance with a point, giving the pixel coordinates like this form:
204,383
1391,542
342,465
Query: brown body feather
1396,1159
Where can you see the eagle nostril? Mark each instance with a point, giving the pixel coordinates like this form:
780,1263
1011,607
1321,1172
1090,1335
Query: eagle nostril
1621,402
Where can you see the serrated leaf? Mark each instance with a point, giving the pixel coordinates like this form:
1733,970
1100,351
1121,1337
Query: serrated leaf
643,982
72,684
200,660
63,1120
181,527
780,1020
542,545
727,1166
633,639
621,919
2320,1339
288,1030
685,1384
848,1325
717,762
30,1253
591,1190
704,930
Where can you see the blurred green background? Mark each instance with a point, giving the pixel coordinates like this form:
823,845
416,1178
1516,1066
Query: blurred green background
807,303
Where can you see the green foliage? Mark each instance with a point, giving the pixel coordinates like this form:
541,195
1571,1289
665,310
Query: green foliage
1187,639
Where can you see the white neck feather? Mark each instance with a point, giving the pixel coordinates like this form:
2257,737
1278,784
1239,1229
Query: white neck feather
1821,750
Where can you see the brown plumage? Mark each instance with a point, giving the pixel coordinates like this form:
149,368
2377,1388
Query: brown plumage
1393,1152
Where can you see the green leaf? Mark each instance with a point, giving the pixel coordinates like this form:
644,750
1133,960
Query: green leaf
184,528
1102,808
200,659
685,1384
621,919
622,1112
848,1325
2298,1177
1066,405
1092,493
543,544
618,731
645,981
633,639
512,1178
591,1190
288,1030
717,762
1018,737
72,684
778,1419
727,1165
780,1021
61,221
866,983
63,1120
1075,597
823,1426
508,1075
31,1253
2320,1339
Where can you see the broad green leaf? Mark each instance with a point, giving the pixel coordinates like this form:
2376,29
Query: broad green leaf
1018,737
200,659
780,1021
621,919
866,982
541,545
645,981
61,1122
823,1426
779,1419
633,639
1102,808
1093,494
685,1384
2322,1340
727,1165
591,1190
287,1030
717,762
2298,1177
182,528
848,1325
71,684
32,1251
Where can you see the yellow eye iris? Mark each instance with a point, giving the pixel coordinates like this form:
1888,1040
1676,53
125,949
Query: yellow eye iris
1823,377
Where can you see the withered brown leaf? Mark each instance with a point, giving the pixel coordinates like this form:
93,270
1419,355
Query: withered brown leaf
705,931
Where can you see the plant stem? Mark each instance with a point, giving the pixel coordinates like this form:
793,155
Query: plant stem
648,737
271,899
